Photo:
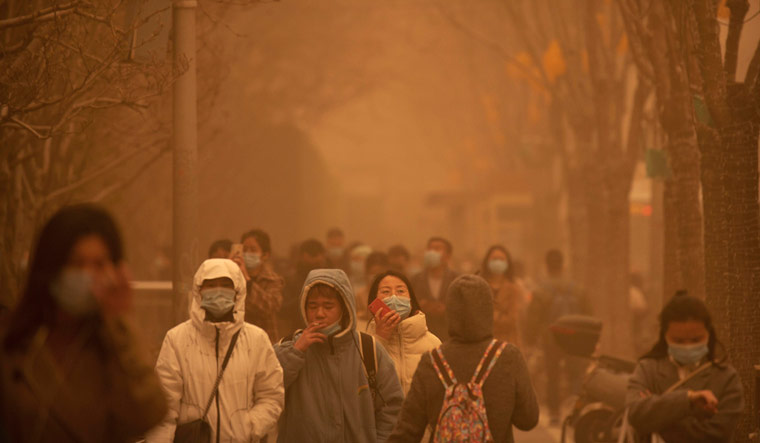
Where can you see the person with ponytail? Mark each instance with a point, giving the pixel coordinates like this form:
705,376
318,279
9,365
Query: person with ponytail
684,389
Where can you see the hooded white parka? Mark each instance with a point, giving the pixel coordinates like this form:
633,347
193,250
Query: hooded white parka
251,394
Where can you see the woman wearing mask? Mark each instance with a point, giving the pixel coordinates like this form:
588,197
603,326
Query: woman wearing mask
263,286
497,270
71,366
681,391
250,393
402,331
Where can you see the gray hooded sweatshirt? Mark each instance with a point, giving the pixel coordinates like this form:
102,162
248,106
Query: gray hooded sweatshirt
508,392
327,396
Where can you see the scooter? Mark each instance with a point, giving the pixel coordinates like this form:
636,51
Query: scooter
597,414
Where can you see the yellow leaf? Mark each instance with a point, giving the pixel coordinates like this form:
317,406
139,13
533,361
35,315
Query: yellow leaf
554,61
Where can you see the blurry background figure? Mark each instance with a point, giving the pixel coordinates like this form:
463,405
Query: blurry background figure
72,368
311,255
639,307
376,264
336,249
555,297
357,266
508,298
220,249
264,287
433,282
398,257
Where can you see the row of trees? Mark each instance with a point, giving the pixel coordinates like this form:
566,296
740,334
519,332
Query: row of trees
615,79
606,82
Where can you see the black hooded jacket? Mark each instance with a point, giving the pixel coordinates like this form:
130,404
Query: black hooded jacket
508,391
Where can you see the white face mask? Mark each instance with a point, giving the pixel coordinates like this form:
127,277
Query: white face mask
72,290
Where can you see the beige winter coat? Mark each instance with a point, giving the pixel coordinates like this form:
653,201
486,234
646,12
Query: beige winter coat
251,393
406,346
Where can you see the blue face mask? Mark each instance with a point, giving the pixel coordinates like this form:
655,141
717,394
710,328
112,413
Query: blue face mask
252,260
688,354
497,266
432,258
332,329
402,305
218,301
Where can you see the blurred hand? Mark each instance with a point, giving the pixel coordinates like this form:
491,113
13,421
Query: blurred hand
703,403
309,336
386,323
112,291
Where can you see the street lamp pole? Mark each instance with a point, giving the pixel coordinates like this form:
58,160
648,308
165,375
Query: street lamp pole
185,155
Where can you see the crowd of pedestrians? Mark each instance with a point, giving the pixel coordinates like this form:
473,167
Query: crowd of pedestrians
350,345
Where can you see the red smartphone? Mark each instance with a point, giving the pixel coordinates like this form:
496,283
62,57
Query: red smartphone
378,305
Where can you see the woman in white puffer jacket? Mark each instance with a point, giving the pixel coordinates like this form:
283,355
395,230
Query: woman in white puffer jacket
402,331
251,394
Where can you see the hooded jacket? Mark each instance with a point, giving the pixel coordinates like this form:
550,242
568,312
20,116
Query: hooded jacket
508,392
328,398
251,393
406,345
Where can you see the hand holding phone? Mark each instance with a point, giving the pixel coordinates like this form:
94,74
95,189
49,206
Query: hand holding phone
378,305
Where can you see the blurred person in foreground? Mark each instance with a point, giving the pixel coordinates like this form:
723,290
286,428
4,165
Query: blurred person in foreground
264,287
508,298
220,249
556,296
487,378
330,397
250,395
433,282
399,258
682,390
310,255
72,369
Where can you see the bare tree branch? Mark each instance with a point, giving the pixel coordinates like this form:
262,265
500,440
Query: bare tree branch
714,76
42,15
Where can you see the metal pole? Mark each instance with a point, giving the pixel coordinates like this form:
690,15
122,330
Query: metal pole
185,148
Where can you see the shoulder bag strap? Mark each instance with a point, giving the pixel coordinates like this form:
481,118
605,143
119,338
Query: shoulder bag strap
221,373
368,357
680,383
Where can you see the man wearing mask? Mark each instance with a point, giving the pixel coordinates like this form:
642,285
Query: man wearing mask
336,249
250,394
264,286
330,397
433,282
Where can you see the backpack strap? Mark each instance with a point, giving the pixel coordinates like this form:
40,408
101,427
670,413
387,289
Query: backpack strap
289,337
369,358
442,368
488,361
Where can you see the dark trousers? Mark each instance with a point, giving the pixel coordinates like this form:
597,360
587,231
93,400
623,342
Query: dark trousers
561,365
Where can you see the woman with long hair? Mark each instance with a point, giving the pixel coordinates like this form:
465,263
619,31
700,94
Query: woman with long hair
508,298
72,370
402,331
683,389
